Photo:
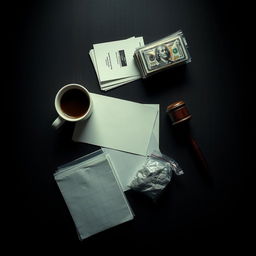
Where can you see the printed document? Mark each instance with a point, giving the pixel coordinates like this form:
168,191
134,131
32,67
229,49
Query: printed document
114,63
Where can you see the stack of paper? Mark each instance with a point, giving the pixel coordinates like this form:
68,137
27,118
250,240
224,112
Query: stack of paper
114,63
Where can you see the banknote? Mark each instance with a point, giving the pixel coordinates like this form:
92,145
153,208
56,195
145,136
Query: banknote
162,54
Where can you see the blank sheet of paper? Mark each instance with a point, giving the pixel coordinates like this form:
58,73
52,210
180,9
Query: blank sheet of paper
127,164
117,124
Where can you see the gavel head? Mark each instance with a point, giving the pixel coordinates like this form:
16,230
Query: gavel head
178,112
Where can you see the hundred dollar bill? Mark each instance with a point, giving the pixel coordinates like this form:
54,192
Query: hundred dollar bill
162,54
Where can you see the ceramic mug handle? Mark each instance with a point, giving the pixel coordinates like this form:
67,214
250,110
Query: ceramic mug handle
58,122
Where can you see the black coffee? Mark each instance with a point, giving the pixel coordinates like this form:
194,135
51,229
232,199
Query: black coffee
74,103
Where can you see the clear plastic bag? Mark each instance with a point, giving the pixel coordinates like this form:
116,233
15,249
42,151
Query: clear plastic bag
155,175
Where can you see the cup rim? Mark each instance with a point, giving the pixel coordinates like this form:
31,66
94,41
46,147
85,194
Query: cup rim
59,94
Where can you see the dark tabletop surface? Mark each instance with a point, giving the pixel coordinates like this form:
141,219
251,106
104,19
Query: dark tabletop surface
48,44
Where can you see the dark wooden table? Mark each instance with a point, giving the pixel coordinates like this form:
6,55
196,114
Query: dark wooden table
48,44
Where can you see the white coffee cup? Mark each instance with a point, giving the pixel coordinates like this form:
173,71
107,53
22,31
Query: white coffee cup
73,103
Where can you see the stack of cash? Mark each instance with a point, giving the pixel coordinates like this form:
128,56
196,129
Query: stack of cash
162,54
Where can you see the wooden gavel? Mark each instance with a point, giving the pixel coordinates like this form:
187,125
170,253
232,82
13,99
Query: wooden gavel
180,115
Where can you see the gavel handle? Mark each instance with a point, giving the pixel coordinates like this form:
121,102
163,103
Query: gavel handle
198,153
